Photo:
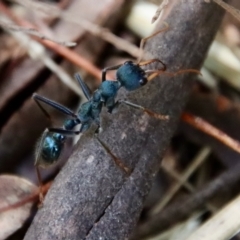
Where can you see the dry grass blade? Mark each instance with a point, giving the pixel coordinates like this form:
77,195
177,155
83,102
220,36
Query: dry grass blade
199,159
34,32
37,51
187,186
61,50
226,222
233,11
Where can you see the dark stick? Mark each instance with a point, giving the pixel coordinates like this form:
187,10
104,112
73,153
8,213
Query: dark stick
92,198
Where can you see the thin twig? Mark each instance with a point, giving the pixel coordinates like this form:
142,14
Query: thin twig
224,225
209,129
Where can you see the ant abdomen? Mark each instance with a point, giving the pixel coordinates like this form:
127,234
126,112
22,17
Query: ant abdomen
50,150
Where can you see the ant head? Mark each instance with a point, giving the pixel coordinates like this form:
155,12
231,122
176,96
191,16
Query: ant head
131,76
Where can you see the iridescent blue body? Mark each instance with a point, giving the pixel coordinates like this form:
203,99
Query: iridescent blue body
108,91
51,148
129,76
52,143
89,112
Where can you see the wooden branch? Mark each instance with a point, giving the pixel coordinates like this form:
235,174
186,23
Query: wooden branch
92,197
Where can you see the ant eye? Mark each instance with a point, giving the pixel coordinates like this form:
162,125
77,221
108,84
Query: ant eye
128,63
143,81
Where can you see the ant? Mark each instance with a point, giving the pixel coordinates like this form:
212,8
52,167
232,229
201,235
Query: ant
129,75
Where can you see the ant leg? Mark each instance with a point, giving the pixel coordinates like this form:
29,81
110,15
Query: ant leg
156,72
117,161
153,74
98,129
38,99
152,61
83,86
84,127
64,131
104,71
144,40
110,104
149,112
183,71
40,186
